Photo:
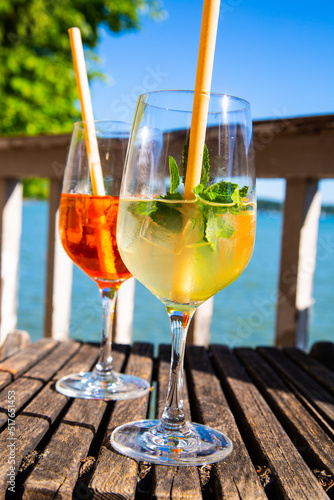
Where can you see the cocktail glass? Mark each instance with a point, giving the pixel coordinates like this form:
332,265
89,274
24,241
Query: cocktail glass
87,225
184,249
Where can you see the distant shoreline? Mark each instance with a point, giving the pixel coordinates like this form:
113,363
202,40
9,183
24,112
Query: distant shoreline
277,206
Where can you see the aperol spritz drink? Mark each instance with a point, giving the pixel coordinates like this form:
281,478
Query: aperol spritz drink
87,226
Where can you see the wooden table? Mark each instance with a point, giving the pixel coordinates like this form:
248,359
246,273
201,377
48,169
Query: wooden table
277,406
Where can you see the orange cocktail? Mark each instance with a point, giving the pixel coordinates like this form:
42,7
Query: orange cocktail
88,233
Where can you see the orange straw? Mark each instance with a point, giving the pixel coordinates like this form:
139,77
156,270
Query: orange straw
202,95
86,111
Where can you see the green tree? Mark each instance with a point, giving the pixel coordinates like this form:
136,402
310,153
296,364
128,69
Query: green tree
37,85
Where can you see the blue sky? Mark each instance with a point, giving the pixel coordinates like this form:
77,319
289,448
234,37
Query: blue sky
277,55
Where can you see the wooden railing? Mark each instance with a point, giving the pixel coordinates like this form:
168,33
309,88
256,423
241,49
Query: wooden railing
300,150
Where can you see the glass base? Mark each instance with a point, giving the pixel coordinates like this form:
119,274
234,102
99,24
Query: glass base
147,440
87,385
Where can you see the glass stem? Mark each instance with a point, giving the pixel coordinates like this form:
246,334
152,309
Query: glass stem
173,416
104,365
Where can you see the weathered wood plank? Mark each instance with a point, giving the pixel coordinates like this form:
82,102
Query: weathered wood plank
235,477
46,369
35,420
15,341
5,379
305,385
21,391
25,387
122,482
58,483
293,477
294,156
303,430
34,156
28,433
47,404
57,470
315,369
22,361
324,353
83,360
284,147
170,482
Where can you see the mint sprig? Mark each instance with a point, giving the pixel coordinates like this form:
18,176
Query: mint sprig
174,175
215,226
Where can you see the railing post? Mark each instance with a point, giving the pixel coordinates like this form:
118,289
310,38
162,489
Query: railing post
122,330
298,256
10,231
59,275
199,328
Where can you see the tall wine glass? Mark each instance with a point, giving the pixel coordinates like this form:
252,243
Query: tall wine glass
87,225
184,249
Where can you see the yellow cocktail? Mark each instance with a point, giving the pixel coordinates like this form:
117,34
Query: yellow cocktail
154,249
184,246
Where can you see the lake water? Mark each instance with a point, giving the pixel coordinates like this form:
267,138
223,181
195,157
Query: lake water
244,313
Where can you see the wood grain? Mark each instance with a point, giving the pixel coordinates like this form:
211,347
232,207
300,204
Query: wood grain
324,353
47,367
293,479
15,341
122,482
57,470
306,434
22,389
316,370
235,477
25,359
302,382
169,481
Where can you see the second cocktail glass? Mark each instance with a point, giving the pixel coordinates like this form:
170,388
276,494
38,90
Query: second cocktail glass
87,225
184,247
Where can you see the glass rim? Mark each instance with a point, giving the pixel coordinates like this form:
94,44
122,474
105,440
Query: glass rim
144,98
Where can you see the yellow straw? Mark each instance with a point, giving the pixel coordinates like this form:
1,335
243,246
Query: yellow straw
103,241
182,277
202,95
86,111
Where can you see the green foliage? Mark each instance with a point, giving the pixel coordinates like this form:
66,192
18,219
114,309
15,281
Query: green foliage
36,188
37,83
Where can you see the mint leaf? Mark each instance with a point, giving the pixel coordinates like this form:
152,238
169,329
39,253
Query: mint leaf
243,191
172,196
220,192
198,190
174,175
185,159
205,167
216,228
146,207
214,225
168,217
236,196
